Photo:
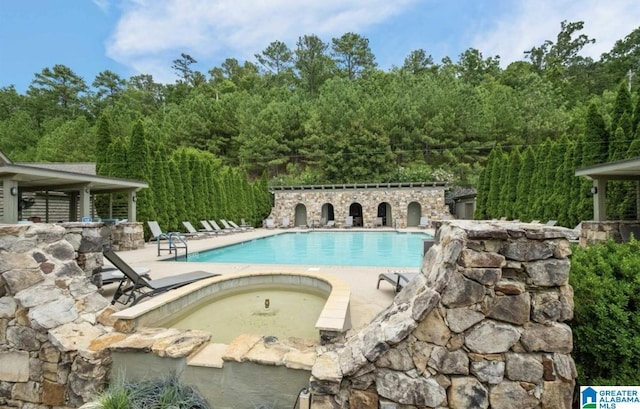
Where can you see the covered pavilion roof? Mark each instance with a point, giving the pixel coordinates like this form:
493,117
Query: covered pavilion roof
55,177
626,169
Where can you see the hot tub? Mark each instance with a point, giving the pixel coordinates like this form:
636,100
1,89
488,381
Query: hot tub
332,319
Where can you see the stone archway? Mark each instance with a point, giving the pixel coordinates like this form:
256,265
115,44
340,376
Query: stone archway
355,210
384,217
326,214
301,215
414,211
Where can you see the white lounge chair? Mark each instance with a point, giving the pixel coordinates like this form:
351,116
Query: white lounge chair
192,232
424,222
228,227
285,223
174,240
208,229
397,278
551,222
242,227
379,221
217,228
348,221
269,224
245,224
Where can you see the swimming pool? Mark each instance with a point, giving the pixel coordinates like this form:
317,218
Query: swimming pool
356,248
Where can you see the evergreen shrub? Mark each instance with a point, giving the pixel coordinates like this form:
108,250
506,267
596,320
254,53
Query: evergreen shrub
606,324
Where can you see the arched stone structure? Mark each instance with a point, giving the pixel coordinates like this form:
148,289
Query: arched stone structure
385,214
322,201
414,212
300,215
355,210
326,213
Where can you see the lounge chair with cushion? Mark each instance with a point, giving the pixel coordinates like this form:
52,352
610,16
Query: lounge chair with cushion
269,224
133,287
285,223
397,278
551,222
331,223
379,221
424,222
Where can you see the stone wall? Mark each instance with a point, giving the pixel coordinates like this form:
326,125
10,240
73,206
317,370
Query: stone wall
126,236
593,232
430,201
49,312
481,327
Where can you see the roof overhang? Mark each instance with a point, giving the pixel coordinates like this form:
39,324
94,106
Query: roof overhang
628,169
32,178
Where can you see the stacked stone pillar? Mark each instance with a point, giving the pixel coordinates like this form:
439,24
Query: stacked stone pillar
483,326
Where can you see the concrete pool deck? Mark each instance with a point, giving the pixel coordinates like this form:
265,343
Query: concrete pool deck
366,300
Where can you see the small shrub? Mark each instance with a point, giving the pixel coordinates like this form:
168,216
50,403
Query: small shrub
606,325
162,393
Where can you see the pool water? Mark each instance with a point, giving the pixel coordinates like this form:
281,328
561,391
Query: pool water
357,248
265,311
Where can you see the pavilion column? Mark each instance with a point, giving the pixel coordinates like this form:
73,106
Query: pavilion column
10,201
599,191
131,209
85,202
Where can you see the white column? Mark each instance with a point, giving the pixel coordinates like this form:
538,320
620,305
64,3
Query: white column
85,202
10,201
599,191
131,208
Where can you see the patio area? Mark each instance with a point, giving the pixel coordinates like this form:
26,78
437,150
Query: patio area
366,300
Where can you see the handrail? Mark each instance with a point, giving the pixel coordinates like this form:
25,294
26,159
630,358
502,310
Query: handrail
176,235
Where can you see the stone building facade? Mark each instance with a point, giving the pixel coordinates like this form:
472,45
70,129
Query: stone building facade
371,205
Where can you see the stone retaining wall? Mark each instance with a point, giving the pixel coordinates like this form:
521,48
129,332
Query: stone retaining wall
481,327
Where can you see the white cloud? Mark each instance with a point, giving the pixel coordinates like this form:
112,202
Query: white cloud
102,5
151,33
534,21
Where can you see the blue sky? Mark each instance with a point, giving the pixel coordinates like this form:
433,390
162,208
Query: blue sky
131,37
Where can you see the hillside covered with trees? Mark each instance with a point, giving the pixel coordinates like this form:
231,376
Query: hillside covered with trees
320,112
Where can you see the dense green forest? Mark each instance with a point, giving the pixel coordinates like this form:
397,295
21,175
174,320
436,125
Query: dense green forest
322,112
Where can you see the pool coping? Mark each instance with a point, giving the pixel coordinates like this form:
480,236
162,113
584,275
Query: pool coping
334,319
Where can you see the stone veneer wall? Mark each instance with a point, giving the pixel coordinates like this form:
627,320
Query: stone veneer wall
126,236
90,239
593,232
482,326
431,200
48,309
